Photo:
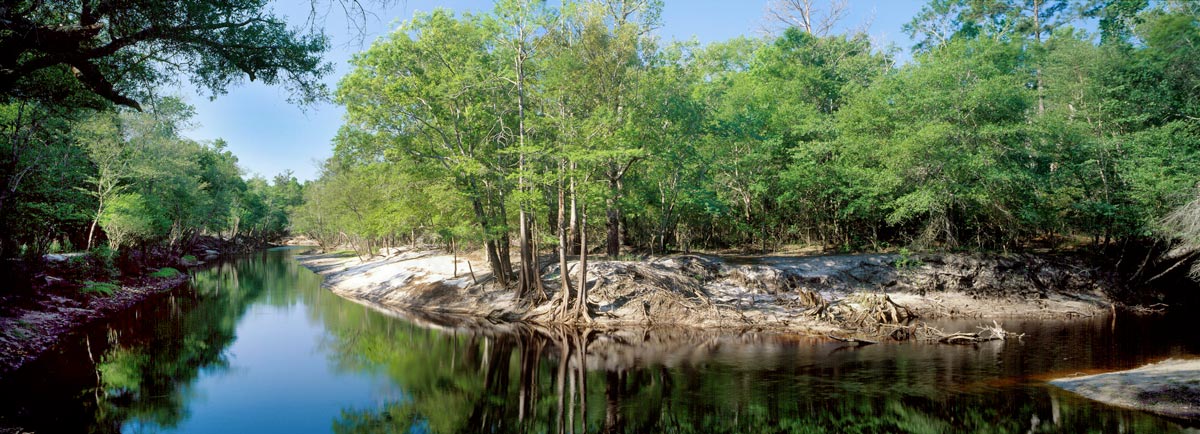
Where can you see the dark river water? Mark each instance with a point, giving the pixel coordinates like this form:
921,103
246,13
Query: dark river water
256,346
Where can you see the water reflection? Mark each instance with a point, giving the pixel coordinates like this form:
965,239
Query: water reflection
257,345
532,379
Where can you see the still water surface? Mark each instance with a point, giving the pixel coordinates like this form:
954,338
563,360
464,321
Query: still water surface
257,346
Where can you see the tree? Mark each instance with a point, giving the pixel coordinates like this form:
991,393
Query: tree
604,46
39,165
104,140
129,219
120,50
1183,224
522,20
807,16
1117,18
941,20
432,91
943,143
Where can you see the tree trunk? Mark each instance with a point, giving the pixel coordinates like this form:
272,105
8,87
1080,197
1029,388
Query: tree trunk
92,228
564,292
612,226
573,230
493,254
528,271
581,308
503,243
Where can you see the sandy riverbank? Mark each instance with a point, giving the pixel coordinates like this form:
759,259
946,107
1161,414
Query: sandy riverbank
1170,387
868,296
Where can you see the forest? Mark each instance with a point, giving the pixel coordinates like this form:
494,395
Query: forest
93,151
572,129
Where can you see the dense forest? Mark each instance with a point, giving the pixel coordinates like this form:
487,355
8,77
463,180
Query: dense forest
93,155
1016,124
570,127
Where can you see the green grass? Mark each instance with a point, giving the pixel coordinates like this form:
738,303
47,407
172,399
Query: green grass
165,272
189,258
103,288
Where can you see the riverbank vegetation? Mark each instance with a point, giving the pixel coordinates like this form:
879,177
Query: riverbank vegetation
93,156
1015,125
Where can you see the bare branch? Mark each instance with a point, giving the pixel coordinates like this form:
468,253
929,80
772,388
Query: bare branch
807,16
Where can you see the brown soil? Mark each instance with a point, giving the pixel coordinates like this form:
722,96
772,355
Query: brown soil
34,322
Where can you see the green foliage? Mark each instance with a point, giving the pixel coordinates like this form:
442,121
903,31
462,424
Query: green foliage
97,264
69,150
122,53
165,273
1010,126
98,288
56,247
131,219
906,261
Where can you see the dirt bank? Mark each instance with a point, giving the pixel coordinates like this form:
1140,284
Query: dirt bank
32,323
1170,387
863,296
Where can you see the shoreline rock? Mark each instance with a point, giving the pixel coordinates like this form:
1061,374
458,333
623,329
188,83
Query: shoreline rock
1170,388
815,295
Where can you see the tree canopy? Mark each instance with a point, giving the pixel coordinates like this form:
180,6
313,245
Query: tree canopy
120,50
1012,126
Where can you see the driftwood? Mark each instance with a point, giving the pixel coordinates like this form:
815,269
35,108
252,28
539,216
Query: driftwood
1154,309
993,332
852,340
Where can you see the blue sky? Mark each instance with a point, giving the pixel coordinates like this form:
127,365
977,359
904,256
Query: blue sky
269,135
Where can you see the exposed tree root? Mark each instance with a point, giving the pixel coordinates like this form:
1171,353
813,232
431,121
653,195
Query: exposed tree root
878,317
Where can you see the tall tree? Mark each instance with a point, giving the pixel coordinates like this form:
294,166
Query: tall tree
432,90
103,138
524,23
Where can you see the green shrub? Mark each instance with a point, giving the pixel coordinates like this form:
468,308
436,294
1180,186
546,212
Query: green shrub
165,272
189,258
101,258
103,288
906,261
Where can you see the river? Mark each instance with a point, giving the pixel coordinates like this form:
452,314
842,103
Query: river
256,345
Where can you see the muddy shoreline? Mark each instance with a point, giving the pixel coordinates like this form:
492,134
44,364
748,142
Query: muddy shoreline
32,324
875,297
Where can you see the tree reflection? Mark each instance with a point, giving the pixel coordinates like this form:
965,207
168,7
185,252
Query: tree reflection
461,375
565,380
137,371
